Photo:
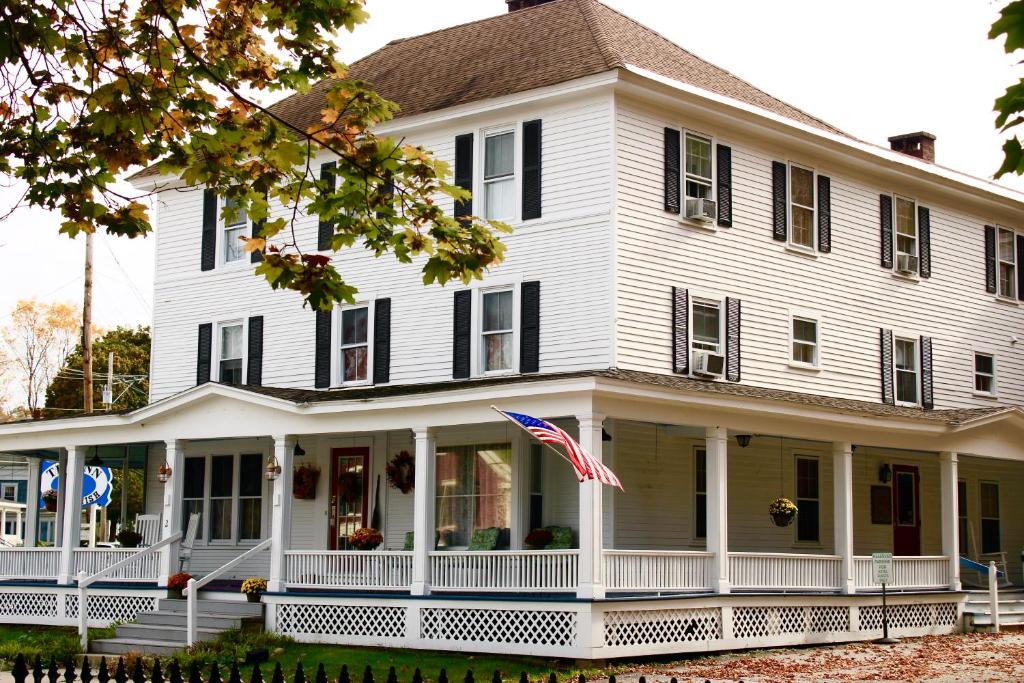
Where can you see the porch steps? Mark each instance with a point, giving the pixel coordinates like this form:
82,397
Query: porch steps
163,632
978,610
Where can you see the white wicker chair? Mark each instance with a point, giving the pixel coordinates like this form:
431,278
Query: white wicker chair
185,551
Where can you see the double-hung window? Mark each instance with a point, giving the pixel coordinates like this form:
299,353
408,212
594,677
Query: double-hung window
250,497
499,176
804,341
906,228
990,534
227,492
9,492
355,346
700,498
236,225
808,499
222,469
707,325
497,330
1007,263
474,492
698,166
229,369
801,206
906,370
194,493
984,373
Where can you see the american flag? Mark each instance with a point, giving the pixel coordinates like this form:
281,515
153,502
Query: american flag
586,465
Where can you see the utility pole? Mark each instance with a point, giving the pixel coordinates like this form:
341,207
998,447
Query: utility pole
87,328
108,391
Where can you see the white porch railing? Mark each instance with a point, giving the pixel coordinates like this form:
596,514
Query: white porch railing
146,568
924,572
505,571
784,571
29,563
384,570
657,570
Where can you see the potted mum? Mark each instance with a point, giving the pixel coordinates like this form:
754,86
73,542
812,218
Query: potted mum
366,538
128,537
538,539
50,500
254,587
782,510
176,584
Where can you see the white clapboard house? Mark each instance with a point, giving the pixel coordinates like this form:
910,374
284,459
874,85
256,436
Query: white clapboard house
725,298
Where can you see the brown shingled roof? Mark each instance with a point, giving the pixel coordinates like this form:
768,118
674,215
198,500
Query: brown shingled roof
551,43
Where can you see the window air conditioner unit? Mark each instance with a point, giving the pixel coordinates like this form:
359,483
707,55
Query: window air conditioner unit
703,210
905,263
707,364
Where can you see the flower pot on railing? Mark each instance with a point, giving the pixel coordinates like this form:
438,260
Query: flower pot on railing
50,501
176,584
254,587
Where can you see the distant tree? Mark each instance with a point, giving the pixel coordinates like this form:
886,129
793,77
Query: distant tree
1009,107
131,372
36,340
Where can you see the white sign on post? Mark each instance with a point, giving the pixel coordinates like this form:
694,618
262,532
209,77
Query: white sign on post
881,568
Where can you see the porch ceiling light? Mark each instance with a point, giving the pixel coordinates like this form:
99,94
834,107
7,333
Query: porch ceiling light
95,460
605,436
273,469
164,473
743,440
298,451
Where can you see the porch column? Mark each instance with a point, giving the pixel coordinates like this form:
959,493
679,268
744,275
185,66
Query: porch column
281,514
842,494
717,457
32,504
71,481
423,526
950,515
58,520
591,569
174,456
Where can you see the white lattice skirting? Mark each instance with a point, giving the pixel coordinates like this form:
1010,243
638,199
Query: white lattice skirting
606,629
59,605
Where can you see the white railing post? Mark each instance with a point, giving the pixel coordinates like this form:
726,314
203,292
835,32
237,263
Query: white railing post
949,506
190,618
71,478
83,613
281,514
423,509
717,459
174,456
993,595
591,514
842,487
31,539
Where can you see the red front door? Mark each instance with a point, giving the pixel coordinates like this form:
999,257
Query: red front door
350,473
906,519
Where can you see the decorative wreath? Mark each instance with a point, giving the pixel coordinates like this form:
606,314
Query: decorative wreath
402,472
304,482
350,486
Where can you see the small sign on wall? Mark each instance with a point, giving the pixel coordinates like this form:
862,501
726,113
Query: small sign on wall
881,505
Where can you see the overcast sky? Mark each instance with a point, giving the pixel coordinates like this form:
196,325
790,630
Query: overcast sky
872,68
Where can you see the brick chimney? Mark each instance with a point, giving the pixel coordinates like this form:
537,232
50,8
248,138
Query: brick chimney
514,5
920,145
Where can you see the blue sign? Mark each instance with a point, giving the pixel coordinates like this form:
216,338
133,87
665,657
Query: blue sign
97,484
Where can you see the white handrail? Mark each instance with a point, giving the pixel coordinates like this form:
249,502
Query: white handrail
192,589
84,581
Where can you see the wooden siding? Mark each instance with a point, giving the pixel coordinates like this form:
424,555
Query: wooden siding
852,294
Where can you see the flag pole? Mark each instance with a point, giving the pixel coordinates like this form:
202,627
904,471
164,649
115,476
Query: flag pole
555,450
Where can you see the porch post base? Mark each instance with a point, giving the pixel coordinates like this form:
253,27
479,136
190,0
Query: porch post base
590,591
419,588
723,588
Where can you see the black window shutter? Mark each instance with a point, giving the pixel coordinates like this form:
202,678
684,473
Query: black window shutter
257,231
886,366
724,161
990,259
322,357
672,160
824,214
463,336
680,331
208,258
387,191
1020,267
779,201
531,169
254,371
924,236
382,341
732,339
326,229
464,172
529,328
927,384
885,225
203,357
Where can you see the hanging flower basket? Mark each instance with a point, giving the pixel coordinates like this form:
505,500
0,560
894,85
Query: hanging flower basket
401,472
50,500
304,482
350,486
782,511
